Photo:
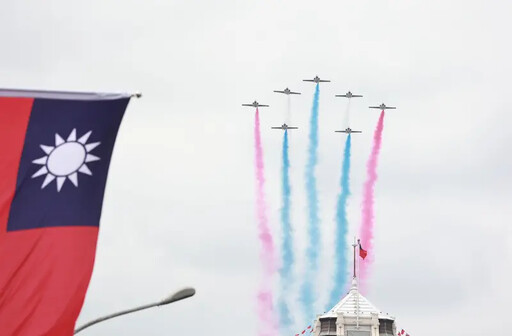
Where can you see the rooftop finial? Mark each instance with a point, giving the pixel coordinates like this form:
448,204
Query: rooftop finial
353,287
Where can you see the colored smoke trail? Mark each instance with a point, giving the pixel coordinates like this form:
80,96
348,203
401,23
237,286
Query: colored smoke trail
340,268
313,244
366,232
268,324
287,243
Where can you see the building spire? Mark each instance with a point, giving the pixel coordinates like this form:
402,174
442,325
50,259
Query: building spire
354,282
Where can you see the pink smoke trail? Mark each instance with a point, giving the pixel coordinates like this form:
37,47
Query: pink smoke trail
366,232
268,325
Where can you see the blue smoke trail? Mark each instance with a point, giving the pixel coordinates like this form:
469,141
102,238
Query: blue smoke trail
340,268
313,248
287,247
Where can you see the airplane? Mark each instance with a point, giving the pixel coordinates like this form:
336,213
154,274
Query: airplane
316,80
348,131
383,107
284,127
287,92
255,104
349,95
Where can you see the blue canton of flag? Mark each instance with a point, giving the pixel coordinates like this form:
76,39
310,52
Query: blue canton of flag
64,163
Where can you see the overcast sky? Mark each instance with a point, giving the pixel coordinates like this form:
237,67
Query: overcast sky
179,206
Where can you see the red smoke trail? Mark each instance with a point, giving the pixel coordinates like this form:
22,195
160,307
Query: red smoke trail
266,314
366,233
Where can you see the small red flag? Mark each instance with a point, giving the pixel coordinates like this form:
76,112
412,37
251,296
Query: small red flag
363,253
303,331
402,332
309,327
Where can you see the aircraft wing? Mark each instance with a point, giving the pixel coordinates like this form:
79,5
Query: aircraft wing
324,80
375,107
291,127
357,96
261,105
297,93
279,91
342,96
308,80
344,131
247,105
276,127
390,108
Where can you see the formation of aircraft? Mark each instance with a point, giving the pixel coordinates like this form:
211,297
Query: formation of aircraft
317,80
255,104
287,92
383,107
349,95
348,130
284,127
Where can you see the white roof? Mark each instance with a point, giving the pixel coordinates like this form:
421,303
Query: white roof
354,304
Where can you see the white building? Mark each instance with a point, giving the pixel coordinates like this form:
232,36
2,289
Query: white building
354,315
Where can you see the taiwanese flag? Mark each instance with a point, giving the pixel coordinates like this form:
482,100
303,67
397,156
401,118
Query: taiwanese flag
362,252
55,151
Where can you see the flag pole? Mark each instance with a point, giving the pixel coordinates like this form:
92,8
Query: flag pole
354,245
355,279
359,250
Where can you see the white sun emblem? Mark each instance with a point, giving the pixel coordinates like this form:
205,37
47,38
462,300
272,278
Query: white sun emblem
66,159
